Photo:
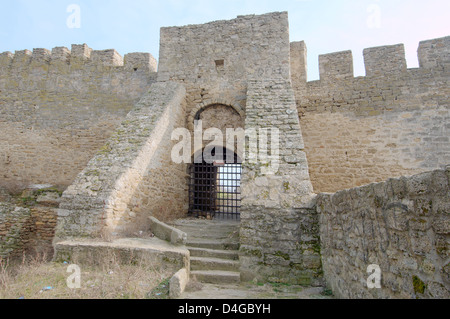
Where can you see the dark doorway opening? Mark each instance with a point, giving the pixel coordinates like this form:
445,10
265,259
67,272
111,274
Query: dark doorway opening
215,186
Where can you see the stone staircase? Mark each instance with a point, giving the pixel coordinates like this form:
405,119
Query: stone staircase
214,249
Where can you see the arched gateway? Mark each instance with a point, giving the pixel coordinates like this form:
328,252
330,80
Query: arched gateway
215,185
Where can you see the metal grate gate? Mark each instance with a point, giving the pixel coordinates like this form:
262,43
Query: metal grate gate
215,190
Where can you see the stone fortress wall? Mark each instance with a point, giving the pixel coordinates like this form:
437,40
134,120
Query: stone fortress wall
58,107
390,123
102,125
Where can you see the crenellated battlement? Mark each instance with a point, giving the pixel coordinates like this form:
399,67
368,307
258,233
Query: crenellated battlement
41,80
107,57
387,85
41,56
80,56
60,54
384,60
434,53
337,65
379,61
144,61
69,101
21,60
299,61
81,51
6,59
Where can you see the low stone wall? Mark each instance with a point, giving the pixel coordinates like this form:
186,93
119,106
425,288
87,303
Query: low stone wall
44,220
124,251
26,230
27,223
15,230
401,225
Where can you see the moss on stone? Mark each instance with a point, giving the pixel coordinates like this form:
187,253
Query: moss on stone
264,195
93,173
419,285
48,190
378,202
252,252
317,248
283,255
106,149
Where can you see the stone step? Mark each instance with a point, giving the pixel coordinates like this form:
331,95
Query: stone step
210,233
209,227
195,222
216,245
212,253
202,263
194,228
211,236
216,277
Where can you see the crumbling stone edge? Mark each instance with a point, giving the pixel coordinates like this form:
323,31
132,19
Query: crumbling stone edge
178,283
166,232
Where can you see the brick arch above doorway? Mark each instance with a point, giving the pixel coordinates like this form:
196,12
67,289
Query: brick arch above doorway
203,106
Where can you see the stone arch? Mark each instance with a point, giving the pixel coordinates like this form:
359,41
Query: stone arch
196,154
217,114
198,109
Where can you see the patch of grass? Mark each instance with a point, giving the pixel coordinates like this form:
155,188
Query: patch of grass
279,287
31,199
161,291
28,201
48,190
327,292
279,284
110,280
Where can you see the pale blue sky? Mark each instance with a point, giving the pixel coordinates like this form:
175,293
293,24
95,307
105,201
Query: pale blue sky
133,25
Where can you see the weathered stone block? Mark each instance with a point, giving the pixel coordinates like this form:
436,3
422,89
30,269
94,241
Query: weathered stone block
336,66
385,60
434,53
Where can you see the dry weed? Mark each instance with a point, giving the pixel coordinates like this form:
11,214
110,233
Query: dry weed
110,279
